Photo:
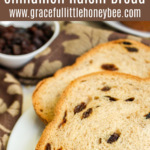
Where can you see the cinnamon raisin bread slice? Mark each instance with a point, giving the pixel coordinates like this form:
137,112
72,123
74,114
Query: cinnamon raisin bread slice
101,111
125,56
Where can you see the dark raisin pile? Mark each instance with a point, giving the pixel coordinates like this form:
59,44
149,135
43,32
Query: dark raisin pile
18,41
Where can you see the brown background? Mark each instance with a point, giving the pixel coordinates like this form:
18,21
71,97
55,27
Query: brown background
145,10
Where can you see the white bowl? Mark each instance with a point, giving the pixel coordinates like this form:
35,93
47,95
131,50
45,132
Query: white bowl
15,62
119,26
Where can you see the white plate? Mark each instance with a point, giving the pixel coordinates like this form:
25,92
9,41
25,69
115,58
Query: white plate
121,27
26,132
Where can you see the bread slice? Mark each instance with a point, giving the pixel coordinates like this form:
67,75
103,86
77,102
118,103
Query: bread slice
125,56
101,111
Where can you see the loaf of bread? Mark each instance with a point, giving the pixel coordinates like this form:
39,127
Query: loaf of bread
101,111
125,56
138,25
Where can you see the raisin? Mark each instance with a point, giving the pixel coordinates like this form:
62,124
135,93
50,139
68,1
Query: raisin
97,106
32,29
79,108
8,36
7,50
132,49
110,67
32,48
2,29
127,43
130,99
21,30
26,36
25,44
48,147
16,49
113,138
43,26
44,39
147,116
106,88
11,29
9,43
100,140
2,42
87,113
48,31
111,98
37,25
37,42
39,33
17,40
64,120
25,51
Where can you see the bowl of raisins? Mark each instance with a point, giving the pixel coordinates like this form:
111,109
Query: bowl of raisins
20,41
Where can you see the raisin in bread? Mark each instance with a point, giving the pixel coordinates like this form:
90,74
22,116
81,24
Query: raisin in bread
101,111
125,56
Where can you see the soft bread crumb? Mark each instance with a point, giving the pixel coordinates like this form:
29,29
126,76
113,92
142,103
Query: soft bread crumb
103,124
